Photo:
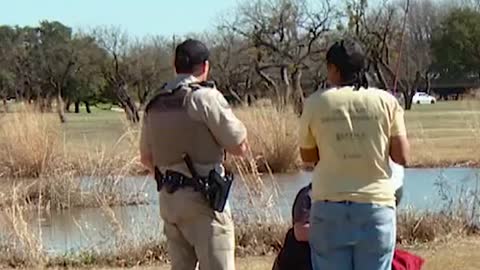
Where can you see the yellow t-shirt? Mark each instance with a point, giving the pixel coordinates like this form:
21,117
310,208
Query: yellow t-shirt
352,131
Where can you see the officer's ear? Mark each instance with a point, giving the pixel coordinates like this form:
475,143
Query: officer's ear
205,68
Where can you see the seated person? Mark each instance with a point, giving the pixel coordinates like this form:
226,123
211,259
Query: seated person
295,253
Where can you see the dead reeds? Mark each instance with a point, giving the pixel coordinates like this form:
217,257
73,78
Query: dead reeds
272,135
36,161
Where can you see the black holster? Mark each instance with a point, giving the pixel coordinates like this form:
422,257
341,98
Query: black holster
215,188
159,179
221,189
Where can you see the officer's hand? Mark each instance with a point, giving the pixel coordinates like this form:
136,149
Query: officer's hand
239,150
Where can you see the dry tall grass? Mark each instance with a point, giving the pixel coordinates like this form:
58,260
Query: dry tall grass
29,144
36,161
32,144
272,135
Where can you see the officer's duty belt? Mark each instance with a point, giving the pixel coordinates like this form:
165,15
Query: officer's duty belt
172,180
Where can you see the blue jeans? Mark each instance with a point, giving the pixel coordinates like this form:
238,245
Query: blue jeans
352,236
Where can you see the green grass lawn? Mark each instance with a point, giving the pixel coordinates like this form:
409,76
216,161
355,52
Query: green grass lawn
101,127
445,133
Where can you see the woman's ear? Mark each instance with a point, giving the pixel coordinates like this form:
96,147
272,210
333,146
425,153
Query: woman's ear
333,73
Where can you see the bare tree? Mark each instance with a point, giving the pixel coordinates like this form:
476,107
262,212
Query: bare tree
115,68
397,35
149,66
231,62
284,35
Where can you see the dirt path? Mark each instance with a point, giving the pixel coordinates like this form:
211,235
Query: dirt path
459,254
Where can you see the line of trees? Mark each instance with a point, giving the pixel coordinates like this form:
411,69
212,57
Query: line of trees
267,48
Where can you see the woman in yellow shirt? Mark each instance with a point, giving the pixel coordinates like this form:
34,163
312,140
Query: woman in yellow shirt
350,132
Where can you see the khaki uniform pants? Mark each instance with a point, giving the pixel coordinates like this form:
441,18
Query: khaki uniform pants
196,233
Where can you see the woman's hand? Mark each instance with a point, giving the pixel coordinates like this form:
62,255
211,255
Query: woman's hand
308,166
300,231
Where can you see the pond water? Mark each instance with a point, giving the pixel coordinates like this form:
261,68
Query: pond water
96,228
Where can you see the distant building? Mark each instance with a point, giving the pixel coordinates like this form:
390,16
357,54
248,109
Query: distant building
453,88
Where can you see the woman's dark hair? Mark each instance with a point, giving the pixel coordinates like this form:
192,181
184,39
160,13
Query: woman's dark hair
349,58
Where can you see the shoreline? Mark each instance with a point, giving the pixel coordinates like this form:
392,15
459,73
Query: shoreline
261,242
139,171
439,165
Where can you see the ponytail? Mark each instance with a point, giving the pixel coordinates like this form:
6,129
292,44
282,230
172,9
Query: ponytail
357,80
361,80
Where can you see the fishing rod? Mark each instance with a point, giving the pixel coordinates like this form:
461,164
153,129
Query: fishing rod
397,69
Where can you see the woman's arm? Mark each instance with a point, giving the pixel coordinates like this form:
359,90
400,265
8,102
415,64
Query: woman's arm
308,145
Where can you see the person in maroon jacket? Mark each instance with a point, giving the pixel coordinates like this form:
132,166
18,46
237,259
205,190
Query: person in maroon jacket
295,253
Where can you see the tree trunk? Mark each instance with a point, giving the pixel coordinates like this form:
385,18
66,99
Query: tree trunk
428,85
77,106
127,103
5,104
246,99
41,104
87,107
48,103
67,106
60,107
270,83
381,77
407,100
299,96
235,96
287,91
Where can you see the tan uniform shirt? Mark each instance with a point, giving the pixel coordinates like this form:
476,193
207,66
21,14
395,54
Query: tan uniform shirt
202,126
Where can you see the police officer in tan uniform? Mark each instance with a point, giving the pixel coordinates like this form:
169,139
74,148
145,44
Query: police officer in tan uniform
190,116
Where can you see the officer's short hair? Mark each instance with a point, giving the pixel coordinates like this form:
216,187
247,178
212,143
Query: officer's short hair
189,54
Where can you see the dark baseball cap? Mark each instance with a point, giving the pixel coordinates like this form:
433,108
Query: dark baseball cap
190,53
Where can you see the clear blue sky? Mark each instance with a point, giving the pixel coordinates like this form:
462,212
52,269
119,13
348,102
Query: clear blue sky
138,17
